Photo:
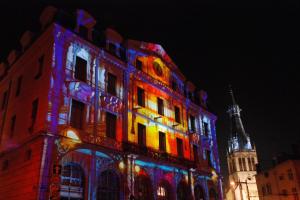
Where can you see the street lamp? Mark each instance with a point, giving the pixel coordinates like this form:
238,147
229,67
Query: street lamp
65,142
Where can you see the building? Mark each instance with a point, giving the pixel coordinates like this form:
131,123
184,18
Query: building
281,181
241,159
90,115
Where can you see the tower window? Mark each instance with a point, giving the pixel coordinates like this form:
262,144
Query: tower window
19,84
80,69
179,147
177,114
162,141
138,64
141,134
250,164
160,106
208,157
111,84
77,114
12,125
205,127
141,96
244,164
40,67
111,120
241,165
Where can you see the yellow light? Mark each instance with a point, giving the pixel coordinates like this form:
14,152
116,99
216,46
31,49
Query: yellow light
137,169
232,183
72,135
121,165
186,178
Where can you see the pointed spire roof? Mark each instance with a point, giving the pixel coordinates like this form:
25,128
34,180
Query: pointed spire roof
239,139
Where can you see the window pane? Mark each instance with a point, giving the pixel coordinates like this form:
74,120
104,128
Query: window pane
160,106
111,120
141,97
177,114
179,147
80,69
162,141
77,114
111,84
141,134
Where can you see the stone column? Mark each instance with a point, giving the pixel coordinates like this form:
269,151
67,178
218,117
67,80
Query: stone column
191,181
130,172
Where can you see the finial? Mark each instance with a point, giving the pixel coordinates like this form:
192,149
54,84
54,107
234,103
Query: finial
231,94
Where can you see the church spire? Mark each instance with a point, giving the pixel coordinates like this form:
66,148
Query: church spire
239,139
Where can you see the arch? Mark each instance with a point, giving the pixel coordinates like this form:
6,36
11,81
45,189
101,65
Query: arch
72,182
143,187
213,194
164,191
108,186
183,191
199,192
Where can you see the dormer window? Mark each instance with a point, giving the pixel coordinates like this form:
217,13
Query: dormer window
160,106
138,64
112,48
193,125
174,85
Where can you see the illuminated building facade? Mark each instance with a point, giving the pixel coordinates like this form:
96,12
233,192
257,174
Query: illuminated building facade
241,159
89,115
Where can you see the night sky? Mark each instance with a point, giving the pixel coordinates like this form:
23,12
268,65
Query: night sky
253,46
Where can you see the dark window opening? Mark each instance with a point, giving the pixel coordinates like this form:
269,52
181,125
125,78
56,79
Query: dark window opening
174,85
205,127
111,84
244,164
123,54
19,84
111,122
80,69
40,67
77,114
138,64
141,134
162,141
4,100
109,186
141,96
112,48
196,155
208,157
249,164
34,111
160,106
177,114
12,125
179,147
193,125
83,31
253,164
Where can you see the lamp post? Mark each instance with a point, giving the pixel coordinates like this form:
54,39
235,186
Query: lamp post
64,143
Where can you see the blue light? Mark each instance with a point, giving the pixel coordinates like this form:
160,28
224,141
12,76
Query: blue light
163,167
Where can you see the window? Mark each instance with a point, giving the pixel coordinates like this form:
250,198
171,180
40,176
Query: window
5,165
249,164
80,69
269,188
174,85
244,164
12,126
77,114
160,106
290,174
111,120
253,164
193,125
141,96
208,157
179,147
111,84
263,190
4,100
162,141
233,165
196,155
28,154
34,111
83,31
205,127
109,186
177,114
141,134
138,64
19,84
40,67
241,165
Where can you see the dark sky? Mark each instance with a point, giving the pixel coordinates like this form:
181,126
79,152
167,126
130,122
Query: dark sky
252,45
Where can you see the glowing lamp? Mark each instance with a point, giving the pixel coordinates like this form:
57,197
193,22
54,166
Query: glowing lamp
186,178
121,165
232,183
137,169
72,135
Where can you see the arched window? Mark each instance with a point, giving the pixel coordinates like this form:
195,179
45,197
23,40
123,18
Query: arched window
183,192
143,188
164,191
212,194
109,186
199,193
72,182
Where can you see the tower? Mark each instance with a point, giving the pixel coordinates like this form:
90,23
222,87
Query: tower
241,158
